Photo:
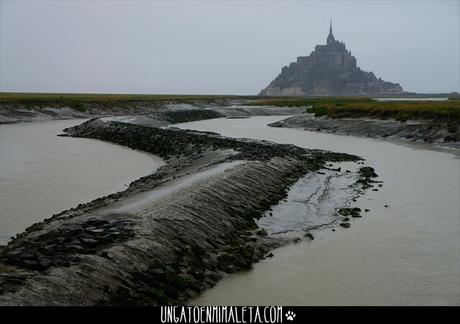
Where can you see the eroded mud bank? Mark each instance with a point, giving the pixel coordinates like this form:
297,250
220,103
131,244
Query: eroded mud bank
168,236
439,134
164,112
160,112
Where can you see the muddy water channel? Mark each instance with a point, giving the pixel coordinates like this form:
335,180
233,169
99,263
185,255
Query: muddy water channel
42,174
407,253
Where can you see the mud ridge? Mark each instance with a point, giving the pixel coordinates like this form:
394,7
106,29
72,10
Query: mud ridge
167,237
436,133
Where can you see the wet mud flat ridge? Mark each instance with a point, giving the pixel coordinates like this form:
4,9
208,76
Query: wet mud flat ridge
437,133
163,111
169,235
14,112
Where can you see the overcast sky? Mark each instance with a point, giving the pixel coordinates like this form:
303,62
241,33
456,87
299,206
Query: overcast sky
218,47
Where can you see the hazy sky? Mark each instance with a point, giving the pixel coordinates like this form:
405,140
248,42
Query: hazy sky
218,47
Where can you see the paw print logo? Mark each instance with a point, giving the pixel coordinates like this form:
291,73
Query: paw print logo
290,315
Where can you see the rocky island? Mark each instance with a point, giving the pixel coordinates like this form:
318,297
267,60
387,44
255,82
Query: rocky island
330,70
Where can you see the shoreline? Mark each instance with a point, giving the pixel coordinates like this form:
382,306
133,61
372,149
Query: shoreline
65,172
170,109
178,245
390,255
410,132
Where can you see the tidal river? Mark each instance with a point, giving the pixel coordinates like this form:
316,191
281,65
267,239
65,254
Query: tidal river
405,254
42,174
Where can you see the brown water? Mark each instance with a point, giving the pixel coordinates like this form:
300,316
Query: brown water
42,174
406,254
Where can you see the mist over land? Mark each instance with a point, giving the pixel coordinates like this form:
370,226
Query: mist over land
229,47
139,167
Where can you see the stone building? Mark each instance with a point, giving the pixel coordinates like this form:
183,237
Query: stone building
330,70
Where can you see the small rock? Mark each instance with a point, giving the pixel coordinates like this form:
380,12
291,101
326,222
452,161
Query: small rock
13,253
75,247
103,254
368,172
88,241
262,232
27,255
95,231
46,262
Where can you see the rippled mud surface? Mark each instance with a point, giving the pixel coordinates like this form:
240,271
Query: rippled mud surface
169,235
404,250
312,203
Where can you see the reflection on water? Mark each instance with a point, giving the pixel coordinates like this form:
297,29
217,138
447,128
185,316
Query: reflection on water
42,174
406,254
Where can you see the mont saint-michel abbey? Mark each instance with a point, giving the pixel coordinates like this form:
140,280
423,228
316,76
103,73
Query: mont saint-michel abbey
330,70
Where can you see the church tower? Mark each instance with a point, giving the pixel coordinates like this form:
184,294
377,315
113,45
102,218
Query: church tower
330,70
330,37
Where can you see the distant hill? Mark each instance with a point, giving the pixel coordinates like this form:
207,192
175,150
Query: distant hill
330,70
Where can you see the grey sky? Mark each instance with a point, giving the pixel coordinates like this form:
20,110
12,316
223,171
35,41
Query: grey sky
225,47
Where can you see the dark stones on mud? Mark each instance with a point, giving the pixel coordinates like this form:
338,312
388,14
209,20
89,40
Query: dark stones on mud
62,246
182,116
193,270
346,213
175,255
262,232
353,212
366,177
367,172
169,143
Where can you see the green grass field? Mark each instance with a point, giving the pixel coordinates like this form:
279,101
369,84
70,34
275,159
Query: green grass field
355,107
75,99
302,102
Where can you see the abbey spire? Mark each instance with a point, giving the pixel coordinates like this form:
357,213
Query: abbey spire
330,37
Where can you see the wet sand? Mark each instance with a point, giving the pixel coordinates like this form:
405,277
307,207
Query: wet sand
169,235
405,254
